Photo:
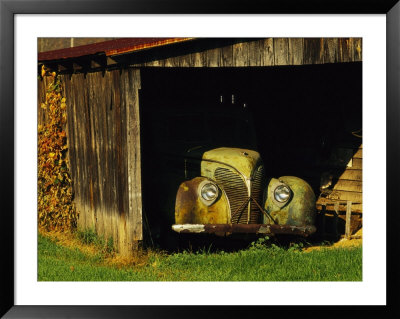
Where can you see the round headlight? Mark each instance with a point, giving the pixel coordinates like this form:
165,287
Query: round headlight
282,193
209,191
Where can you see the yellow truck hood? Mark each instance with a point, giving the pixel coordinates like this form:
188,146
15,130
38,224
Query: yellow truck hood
241,159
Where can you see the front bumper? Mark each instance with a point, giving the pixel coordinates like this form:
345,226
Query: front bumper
261,229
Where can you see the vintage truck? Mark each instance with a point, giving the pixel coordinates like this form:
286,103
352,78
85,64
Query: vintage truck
214,181
233,195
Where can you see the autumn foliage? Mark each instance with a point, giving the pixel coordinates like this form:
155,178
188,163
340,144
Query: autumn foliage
56,210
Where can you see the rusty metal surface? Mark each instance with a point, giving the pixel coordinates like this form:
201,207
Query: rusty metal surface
230,213
258,183
190,209
109,48
261,229
300,209
237,192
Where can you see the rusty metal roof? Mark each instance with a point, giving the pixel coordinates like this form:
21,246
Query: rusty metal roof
112,47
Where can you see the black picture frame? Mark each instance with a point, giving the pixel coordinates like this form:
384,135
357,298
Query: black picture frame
8,10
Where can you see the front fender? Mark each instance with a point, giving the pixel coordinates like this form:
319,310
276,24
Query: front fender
299,211
189,209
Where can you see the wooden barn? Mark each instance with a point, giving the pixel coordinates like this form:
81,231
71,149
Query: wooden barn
305,96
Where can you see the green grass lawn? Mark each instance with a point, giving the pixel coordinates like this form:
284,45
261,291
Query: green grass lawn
258,263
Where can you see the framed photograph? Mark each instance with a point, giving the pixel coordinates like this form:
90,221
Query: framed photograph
375,40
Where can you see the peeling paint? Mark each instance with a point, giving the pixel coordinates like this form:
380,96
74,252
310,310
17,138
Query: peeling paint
261,229
190,209
264,230
299,211
192,228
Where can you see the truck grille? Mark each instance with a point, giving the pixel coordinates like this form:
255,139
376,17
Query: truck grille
257,187
237,193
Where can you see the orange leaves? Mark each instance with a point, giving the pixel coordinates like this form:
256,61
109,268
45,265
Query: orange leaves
43,71
55,197
63,105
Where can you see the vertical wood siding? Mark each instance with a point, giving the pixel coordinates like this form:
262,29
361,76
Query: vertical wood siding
104,152
347,188
348,185
265,52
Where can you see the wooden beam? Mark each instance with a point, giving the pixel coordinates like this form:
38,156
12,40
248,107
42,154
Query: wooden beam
345,196
336,208
98,61
134,155
323,224
348,220
355,208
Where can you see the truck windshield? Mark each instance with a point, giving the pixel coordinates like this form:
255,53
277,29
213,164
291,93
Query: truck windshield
222,129
187,128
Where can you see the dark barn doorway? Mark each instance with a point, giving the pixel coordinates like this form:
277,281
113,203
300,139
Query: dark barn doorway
296,114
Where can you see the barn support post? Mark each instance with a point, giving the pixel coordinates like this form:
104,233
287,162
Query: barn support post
335,222
348,220
323,226
131,77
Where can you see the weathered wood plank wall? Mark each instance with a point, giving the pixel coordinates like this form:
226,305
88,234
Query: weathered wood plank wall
348,185
104,152
267,52
347,188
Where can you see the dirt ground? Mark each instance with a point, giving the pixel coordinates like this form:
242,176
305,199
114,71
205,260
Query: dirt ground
354,241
